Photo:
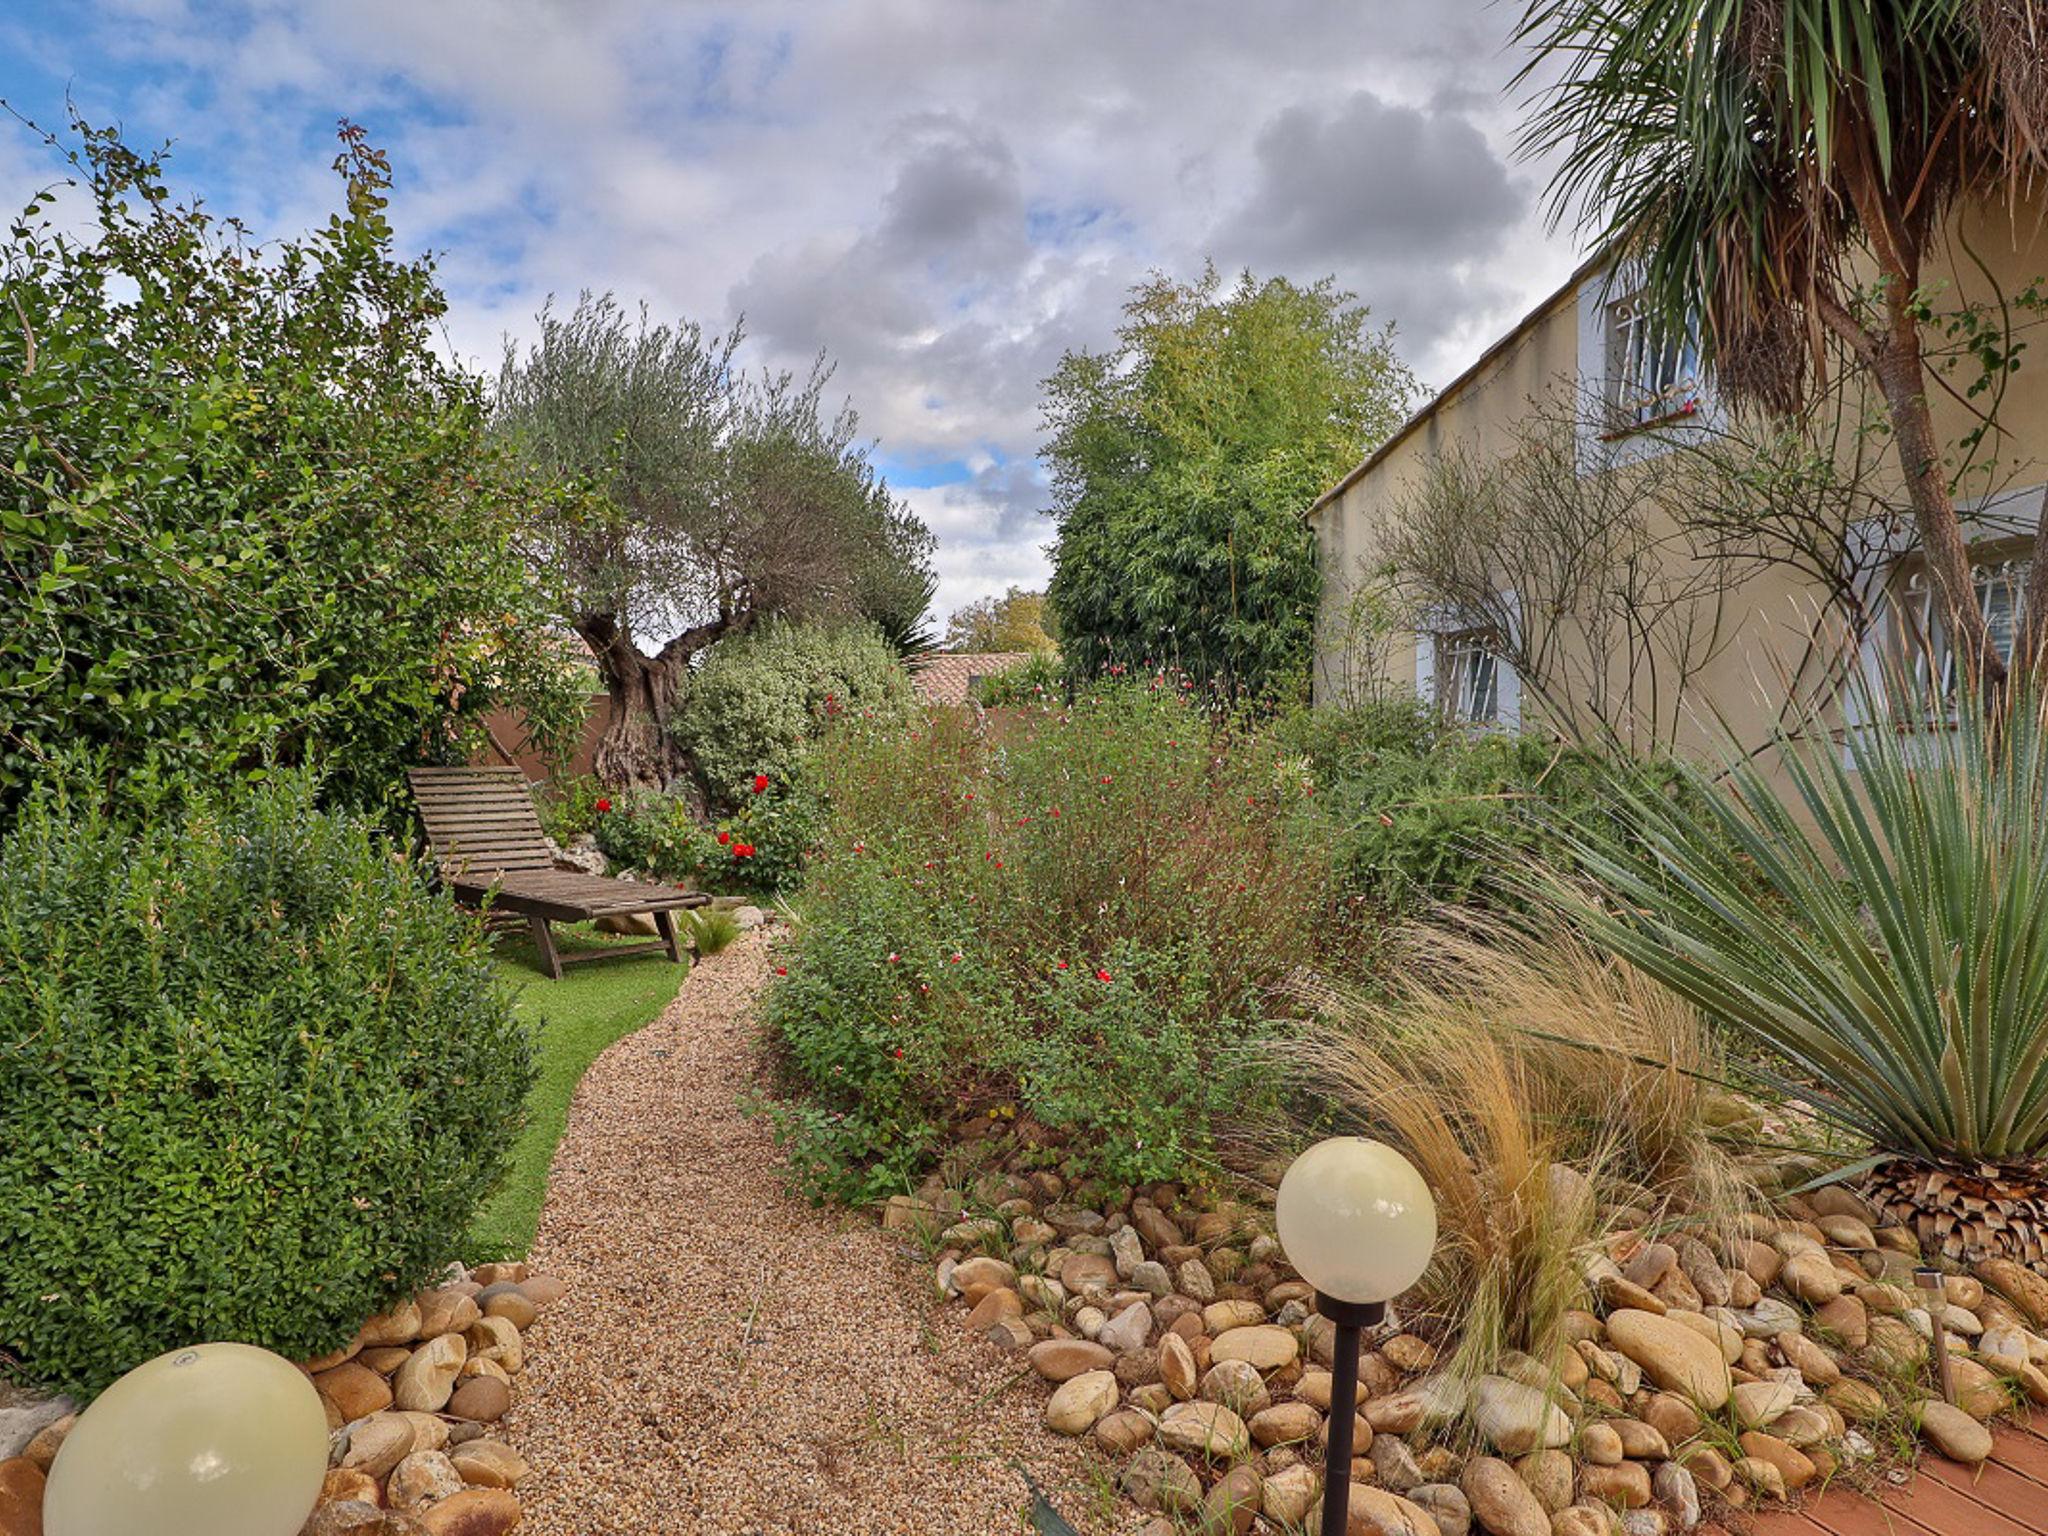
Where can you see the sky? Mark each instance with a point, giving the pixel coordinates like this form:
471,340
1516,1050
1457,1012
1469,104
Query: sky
943,195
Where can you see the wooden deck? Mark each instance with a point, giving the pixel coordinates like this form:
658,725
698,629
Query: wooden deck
2007,1496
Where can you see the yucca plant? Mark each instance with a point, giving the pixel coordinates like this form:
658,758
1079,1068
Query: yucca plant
1885,934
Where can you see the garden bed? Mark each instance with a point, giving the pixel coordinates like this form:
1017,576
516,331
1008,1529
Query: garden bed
1700,1378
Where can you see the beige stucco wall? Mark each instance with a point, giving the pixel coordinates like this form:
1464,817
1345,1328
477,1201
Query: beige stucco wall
1771,618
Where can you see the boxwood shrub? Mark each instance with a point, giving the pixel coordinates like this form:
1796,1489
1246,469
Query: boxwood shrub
254,1079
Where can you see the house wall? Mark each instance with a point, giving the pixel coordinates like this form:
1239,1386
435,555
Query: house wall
1559,350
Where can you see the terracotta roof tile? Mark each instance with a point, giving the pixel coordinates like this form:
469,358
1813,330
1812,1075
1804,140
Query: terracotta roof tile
947,677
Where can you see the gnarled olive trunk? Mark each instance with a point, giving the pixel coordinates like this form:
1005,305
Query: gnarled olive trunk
636,750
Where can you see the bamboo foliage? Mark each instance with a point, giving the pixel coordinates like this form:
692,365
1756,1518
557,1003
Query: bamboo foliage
1886,931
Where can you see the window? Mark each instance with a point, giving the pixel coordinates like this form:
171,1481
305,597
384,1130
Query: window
1919,628
1651,375
1468,678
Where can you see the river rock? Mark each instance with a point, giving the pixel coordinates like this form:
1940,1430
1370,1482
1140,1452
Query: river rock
1237,1387
1447,1506
422,1478
1550,1475
1154,1480
1263,1348
1204,1429
355,1390
1233,1503
1285,1424
427,1380
1394,1463
378,1444
1287,1495
1501,1502
1672,1355
495,1339
1953,1432
1375,1512
1130,1329
1758,1403
1624,1487
473,1512
2018,1285
488,1463
1079,1401
400,1325
1123,1431
450,1311
1793,1465
1673,1487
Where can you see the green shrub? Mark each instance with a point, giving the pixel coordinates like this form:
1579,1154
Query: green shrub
710,930
254,1080
568,806
1040,680
762,699
967,897
758,850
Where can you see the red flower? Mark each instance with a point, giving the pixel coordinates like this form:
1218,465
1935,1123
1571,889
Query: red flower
743,850
782,970
760,782
1061,966
897,1053
724,838
603,805
1104,976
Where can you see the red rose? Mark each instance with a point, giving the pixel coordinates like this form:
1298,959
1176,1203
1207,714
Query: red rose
724,838
743,850
760,782
1104,976
603,805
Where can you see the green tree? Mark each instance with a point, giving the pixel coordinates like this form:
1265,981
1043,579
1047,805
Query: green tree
1016,621
1758,155
696,501
1181,461
247,513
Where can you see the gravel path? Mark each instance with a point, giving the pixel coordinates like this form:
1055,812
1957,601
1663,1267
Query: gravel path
730,1360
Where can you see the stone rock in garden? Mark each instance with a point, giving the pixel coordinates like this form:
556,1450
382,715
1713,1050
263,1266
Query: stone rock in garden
1894,1346
1444,1504
21,1497
1672,1417
1812,1277
357,1518
473,1512
429,1431
482,1399
1672,1355
1078,1402
1582,1520
1126,1250
488,1463
1793,1465
1152,1278
508,1301
426,1381
1129,1329
748,917
1154,1480
1409,1354
447,1311
1219,1317
1675,1488
1193,1279
422,1478
1264,1348
1517,1418
1757,1404
1857,1401
1702,1271
1706,1464
1177,1367
400,1325
993,1308
981,1272
1650,1264
378,1444
1233,1503
385,1359
1063,1359
1137,1367
1074,1220
1624,1487
494,1338
1640,1441
1394,1463
1205,1429
28,1418
1082,1272
1501,1502
1123,1431
1600,1446
1802,1427
1717,1330
490,1274
1978,1392
1237,1386
355,1390
1042,1292
1375,1512
976,1232
2018,1285
346,1485
1953,1432
1847,1232
1314,1389
1287,1494
1644,1522
1011,1333
1550,1475
1813,1363
543,1290
1288,1423
1767,1319
1759,1476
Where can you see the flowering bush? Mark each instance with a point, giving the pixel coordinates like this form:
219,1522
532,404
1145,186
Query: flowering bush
1084,920
759,849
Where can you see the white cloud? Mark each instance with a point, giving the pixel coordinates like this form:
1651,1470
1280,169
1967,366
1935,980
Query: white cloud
943,195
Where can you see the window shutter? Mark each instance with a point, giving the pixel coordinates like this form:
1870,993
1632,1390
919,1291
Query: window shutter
1425,666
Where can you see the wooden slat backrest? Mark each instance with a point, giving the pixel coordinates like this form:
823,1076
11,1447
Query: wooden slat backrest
480,818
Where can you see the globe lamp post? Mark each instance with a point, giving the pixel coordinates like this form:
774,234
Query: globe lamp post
1359,1225
215,1440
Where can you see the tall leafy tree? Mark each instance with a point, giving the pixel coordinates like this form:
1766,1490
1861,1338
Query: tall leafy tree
1181,461
1016,621
1760,156
694,501
248,514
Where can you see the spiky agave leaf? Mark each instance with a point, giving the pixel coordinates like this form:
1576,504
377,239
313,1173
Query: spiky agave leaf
1886,930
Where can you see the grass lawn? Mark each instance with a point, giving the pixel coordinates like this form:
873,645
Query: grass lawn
575,1018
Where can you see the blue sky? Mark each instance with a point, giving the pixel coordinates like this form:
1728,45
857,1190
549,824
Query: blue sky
944,195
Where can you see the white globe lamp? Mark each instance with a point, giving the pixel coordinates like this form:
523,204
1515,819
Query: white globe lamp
1359,1224
214,1440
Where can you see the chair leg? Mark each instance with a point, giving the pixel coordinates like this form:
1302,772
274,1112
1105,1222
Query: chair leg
544,941
665,925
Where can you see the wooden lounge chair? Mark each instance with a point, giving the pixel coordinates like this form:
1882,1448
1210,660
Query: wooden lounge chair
490,850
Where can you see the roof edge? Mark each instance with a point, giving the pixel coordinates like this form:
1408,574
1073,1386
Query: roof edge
1471,372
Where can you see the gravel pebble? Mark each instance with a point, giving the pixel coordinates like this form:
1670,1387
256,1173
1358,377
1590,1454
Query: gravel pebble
728,1359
